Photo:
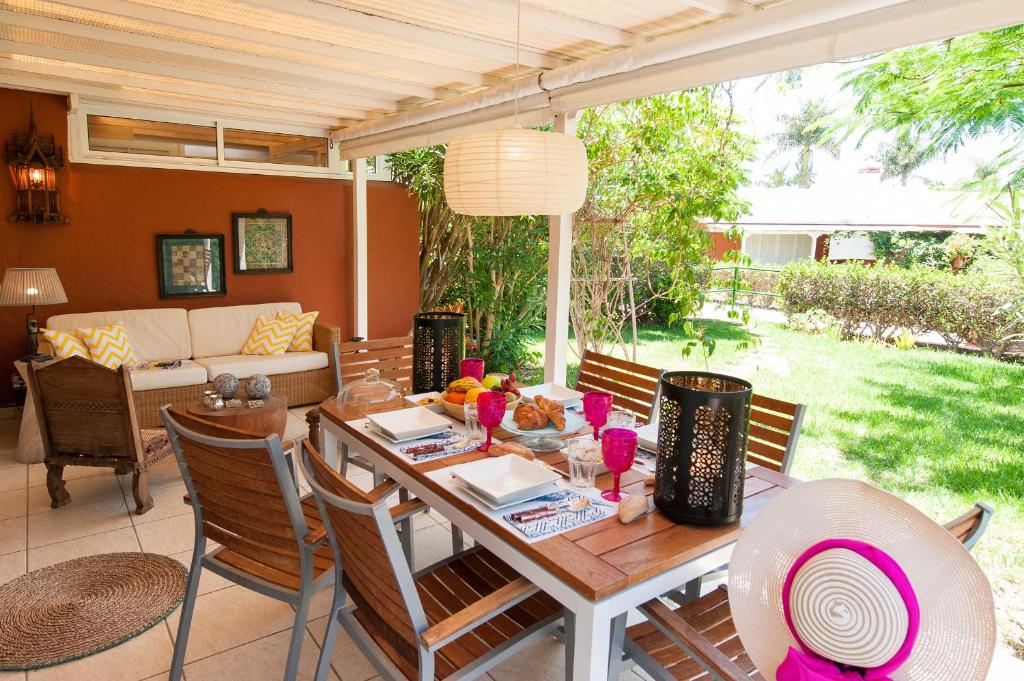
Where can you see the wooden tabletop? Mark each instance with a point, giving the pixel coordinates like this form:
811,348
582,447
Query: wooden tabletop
605,557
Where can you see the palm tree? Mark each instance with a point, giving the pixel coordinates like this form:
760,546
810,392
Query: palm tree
902,156
806,132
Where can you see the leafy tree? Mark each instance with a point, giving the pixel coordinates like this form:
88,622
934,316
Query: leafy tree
807,132
946,92
658,167
902,156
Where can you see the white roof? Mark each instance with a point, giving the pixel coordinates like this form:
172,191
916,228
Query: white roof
381,75
859,208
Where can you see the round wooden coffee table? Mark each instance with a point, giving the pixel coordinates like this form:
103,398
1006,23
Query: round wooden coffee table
263,421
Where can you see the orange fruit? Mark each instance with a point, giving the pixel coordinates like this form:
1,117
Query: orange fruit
456,398
472,395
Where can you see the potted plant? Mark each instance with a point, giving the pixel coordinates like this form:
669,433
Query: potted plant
958,248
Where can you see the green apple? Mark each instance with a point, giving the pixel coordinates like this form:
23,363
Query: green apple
491,382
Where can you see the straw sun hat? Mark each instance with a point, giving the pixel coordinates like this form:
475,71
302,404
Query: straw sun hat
869,582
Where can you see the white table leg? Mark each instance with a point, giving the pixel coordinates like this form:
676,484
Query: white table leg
330,446
591,638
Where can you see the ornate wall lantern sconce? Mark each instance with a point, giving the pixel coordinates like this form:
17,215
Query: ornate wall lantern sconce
33,160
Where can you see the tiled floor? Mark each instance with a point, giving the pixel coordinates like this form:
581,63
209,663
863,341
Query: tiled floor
236,633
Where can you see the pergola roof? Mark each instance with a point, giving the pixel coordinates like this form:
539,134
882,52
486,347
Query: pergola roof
385,74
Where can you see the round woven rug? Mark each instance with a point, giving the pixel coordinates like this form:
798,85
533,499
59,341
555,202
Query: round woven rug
75,609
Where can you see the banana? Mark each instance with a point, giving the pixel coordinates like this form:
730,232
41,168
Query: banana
464,384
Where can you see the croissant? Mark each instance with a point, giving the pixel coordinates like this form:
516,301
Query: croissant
530,417
554,409
503,448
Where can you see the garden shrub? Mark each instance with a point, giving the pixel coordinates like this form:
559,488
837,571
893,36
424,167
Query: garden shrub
754,283
879,302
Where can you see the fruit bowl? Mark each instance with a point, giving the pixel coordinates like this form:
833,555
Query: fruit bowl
458,411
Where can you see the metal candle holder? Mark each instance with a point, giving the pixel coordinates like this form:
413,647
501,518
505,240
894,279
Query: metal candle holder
702,445
439,340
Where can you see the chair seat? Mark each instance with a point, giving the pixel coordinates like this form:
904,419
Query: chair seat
452,585
323,558
710,616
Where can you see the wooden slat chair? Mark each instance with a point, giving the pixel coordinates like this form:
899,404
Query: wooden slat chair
698,640
774,430
633,387
453,620
243,496
87,418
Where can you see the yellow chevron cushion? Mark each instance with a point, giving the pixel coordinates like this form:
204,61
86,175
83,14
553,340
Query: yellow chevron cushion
109,345
303,340
270,337
65,344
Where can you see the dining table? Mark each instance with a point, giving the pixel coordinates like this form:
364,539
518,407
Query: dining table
599,571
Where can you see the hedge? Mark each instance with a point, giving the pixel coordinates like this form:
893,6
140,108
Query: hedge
881,301
757,282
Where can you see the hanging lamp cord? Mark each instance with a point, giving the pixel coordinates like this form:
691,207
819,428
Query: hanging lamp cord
515,95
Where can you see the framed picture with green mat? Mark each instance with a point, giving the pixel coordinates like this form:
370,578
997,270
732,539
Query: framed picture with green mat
262,242
190,265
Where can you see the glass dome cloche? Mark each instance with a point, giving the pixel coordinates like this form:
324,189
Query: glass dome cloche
371,393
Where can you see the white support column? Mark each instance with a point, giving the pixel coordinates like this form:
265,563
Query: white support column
360,305
556,345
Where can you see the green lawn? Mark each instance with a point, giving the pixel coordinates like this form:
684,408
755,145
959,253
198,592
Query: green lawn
939,429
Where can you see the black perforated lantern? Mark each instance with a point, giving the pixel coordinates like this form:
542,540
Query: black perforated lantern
439,341
702,442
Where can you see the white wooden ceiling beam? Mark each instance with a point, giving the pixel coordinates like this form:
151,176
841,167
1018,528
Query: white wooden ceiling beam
450,40
288,72
183,73
131,79
170,102
187,19
732,8
504,13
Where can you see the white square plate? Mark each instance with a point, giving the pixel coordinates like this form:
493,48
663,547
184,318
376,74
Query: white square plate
437,408
553,391
408,424
647,437
505,479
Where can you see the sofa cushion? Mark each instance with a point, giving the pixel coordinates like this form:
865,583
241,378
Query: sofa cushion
157,334
109,346
219,331
65,344
270,337
244,366
189,373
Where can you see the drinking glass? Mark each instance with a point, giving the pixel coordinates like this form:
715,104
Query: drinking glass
472,367
490,407
474,429
618,449
621,419
596,406
584,458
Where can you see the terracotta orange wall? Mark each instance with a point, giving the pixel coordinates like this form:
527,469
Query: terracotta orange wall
720,245
106,255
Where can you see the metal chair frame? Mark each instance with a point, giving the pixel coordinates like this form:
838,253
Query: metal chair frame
300,599
342,611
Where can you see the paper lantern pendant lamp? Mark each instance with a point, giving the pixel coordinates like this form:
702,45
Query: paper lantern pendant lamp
515,172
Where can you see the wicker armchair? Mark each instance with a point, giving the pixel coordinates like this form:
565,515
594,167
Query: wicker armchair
87,418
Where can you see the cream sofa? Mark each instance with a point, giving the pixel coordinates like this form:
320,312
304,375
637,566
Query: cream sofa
208,341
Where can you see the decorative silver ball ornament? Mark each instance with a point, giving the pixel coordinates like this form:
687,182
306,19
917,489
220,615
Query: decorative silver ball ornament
226,385
257,387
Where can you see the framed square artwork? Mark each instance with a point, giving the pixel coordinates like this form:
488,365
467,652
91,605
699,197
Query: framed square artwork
262,241
190,265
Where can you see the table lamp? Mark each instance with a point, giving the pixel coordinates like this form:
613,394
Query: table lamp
24,286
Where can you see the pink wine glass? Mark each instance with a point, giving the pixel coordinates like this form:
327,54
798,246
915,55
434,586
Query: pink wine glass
596,407
490,409
618,450
472,367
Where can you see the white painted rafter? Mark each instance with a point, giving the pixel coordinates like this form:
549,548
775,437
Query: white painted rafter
286,71
186,19
722,7
451,40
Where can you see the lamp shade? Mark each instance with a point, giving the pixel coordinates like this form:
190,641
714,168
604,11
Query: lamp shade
31,286
515,172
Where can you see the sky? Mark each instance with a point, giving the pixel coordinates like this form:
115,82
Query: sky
761,100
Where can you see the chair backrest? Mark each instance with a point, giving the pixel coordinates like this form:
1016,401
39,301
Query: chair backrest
774,430
85,410
391,356
373,568
633,387
969,527
242,492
